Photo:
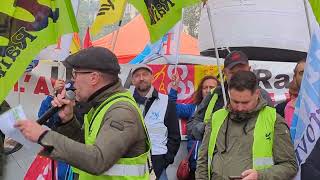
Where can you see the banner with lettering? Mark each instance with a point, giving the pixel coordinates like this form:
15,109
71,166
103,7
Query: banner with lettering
305,129
28,26
161,15
110,12
35,85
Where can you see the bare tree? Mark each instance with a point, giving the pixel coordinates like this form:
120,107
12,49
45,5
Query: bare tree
191,18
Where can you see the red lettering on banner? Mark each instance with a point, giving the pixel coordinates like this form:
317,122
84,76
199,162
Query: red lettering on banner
168,44
27,78
22,89
15,88
41,86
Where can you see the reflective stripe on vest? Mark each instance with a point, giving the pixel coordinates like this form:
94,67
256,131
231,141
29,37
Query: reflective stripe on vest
126,168
212,103
263,136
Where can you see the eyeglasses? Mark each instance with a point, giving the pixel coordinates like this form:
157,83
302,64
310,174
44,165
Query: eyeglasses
74,73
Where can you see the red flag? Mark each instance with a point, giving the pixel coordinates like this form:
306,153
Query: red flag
41,168
87,40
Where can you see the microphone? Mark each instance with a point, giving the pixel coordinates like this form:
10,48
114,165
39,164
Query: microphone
69,95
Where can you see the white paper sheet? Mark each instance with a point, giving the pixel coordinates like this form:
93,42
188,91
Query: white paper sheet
7,121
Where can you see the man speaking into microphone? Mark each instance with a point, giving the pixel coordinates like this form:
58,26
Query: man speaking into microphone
113,143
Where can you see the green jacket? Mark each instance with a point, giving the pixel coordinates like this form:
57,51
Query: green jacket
121,135
3,108
233,152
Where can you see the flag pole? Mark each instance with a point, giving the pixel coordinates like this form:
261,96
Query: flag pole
217,54
178,43
60,66
307,17
114,39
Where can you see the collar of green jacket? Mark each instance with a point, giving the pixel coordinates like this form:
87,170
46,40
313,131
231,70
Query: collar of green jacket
102,94
239,117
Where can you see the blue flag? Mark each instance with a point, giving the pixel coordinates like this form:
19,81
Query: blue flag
150,52
166,47
305,130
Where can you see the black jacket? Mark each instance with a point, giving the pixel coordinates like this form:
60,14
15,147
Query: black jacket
4,106
171,121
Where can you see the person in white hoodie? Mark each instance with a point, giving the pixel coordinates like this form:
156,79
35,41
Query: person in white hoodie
160,118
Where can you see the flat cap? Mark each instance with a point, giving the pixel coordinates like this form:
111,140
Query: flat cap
96,58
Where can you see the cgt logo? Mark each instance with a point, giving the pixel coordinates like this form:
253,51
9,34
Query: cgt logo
268,136
16,30
158,8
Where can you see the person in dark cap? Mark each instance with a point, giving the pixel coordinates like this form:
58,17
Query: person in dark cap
234,62
113,143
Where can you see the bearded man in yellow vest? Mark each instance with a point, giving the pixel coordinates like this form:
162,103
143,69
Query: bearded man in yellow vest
246,140
113,143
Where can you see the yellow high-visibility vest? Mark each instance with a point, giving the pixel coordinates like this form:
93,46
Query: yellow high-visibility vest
134,168
263,136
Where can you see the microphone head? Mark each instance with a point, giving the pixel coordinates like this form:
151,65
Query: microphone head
69,86
70,95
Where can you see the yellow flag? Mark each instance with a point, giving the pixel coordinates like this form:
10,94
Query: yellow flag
27,27
109,13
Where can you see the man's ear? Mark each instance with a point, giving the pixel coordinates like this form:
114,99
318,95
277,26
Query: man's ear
257,93
95,77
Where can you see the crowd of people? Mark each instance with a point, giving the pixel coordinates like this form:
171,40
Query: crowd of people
109,132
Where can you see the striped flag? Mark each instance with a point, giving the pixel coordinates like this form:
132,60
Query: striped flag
110,12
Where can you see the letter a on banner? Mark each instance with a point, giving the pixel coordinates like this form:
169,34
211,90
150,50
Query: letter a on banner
109,13
26,27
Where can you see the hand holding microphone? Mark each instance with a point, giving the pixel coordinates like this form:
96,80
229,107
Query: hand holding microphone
69,95
64,103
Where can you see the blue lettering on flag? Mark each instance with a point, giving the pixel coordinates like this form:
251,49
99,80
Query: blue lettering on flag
305,129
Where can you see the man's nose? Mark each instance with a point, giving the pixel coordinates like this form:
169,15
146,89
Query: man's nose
207,89
141,78
240,107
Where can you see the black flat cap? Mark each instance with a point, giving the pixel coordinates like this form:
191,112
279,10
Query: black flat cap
96,58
